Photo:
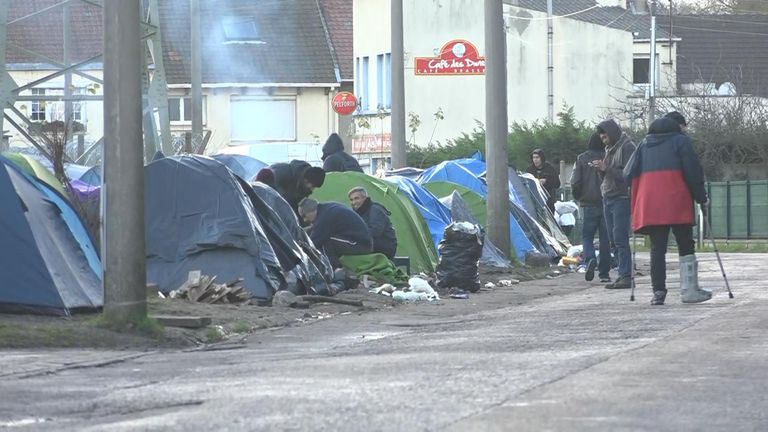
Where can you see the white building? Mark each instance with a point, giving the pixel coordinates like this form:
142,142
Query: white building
600,52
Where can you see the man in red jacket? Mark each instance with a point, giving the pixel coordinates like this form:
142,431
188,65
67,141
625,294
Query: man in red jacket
667,178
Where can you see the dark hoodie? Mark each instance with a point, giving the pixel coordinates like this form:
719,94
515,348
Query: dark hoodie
617,154
666,178
546,171
585,181
335,159
376,216
288,180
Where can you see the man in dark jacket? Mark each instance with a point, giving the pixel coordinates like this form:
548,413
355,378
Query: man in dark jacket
667,178
296,180
335,159
376,216
547,175
615,190
585,186
336,229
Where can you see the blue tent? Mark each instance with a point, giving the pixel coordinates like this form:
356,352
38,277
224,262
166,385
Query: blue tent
245,167
436,214
527,234
48,262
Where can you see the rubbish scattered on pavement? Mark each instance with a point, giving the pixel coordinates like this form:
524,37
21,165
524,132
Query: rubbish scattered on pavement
202,289
508,282
490,285
418,290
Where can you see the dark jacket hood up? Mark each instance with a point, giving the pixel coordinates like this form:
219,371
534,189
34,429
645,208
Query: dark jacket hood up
660,131
332,145
611,128
595,144
540,153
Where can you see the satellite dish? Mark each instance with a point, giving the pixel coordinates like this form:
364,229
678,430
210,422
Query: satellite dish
727,89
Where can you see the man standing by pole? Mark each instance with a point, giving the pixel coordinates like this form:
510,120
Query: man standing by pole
123,187
398,87
496,126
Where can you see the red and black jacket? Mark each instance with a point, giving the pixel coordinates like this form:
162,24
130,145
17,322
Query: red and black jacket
666,178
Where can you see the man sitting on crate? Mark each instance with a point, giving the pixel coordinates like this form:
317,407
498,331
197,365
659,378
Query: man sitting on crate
376,216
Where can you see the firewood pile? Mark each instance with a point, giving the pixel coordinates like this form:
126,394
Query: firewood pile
204,289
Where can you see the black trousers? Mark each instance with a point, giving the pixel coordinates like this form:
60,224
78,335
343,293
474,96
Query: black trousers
335,248
659,239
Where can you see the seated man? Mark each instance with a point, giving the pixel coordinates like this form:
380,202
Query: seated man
376,216
336,229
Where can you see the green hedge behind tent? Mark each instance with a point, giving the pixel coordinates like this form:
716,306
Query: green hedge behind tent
413,237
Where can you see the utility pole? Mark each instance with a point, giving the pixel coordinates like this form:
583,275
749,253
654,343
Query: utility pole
197,75
398,86
125,298
652,68
496,126
550,62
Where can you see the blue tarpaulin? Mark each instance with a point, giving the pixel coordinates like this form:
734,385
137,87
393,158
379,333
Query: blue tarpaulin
436,214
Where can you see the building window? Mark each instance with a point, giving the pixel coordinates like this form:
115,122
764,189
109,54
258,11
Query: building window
180,110
38,107
263,119
362,81
240,30
380,81
640,70
384,81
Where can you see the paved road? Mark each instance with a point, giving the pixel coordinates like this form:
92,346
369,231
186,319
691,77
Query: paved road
574,357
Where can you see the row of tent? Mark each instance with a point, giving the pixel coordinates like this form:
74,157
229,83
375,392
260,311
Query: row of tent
207,214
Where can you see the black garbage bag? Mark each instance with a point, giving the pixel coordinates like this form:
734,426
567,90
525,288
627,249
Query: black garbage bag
460,252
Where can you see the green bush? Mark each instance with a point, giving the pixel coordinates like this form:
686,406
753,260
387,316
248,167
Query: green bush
562,140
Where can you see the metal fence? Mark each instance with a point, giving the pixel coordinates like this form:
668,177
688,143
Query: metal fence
738,210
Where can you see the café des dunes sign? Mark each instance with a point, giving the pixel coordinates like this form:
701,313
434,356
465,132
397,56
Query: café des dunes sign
457,57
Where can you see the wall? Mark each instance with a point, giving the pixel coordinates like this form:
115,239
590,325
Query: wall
589,84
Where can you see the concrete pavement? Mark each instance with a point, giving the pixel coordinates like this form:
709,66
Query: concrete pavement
581,358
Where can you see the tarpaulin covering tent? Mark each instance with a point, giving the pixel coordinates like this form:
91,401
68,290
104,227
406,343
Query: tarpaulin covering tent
48,262
520,240
243,166
295,251
198,217
85,174
436,214
413,237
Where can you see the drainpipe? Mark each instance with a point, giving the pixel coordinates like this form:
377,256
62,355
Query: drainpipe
550,63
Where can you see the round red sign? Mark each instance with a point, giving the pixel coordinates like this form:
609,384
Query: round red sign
344,103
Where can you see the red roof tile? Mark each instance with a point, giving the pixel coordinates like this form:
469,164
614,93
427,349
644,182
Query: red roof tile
338,17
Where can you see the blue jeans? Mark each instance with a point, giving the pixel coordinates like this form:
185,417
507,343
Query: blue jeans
594,223
617,214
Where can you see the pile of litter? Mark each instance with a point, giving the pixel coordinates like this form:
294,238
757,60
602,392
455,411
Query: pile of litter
203,289
418,290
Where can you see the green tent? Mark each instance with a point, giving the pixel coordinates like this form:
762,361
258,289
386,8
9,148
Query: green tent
413,237
37,170
474,200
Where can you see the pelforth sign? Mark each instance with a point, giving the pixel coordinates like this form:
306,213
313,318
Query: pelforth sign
344,103
457,57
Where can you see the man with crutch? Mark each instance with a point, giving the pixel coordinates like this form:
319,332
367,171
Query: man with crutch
667,178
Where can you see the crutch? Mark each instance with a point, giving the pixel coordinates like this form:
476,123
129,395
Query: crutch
634,273
717,253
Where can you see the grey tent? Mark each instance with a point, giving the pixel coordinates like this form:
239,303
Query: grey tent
48,262
198,217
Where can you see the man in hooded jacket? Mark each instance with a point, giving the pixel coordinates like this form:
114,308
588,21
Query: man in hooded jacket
335,159
376,216
547,175
615,190
585,186
296,180
667,178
